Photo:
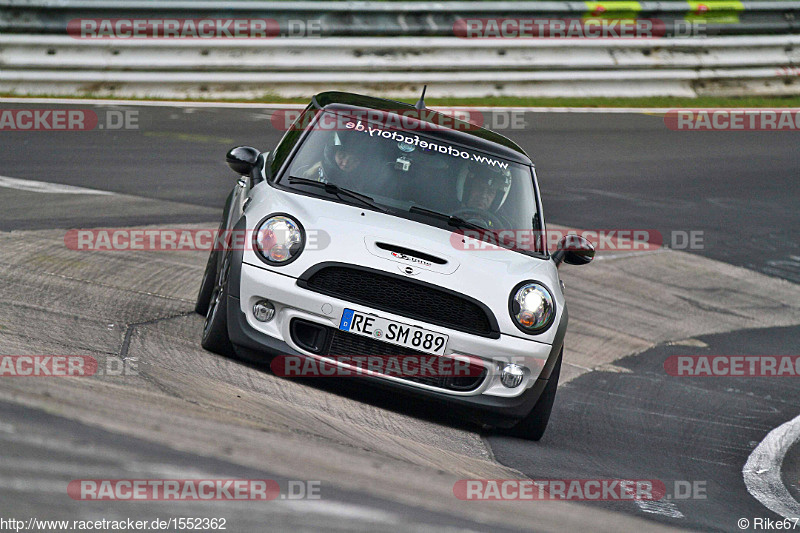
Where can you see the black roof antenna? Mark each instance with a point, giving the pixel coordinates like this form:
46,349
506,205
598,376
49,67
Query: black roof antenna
420,105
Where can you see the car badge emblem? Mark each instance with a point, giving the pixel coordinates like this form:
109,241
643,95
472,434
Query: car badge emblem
407,270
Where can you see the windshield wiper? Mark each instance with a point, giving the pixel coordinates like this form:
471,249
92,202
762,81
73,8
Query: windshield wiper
451,220
464,224
332,188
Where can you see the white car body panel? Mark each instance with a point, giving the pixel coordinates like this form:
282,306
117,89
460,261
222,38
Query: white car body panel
488,275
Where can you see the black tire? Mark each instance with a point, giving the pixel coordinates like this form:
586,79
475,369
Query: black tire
533,425
215,330
207,286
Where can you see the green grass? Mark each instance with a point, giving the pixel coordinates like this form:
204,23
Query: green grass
656,101
669,102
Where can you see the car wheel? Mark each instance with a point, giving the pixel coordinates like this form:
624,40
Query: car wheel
533,425
207,286
215,330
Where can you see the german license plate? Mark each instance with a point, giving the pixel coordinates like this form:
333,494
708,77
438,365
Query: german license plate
382,329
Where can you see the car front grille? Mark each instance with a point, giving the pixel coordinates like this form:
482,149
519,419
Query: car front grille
341,343
402,296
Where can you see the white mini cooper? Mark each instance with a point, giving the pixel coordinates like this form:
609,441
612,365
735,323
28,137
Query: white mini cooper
381,229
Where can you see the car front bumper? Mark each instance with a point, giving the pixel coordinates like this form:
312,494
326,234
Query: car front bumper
490,402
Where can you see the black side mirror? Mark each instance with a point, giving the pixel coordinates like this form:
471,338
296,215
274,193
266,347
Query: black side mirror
574,250
242,159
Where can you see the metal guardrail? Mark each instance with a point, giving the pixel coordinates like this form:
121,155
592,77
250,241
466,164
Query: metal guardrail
401,54
398,66
392,48
407,18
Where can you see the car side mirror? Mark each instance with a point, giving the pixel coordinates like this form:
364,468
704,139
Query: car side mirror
242,159
574,250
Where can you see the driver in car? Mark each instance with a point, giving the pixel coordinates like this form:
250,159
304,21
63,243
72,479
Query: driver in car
341,162
484,189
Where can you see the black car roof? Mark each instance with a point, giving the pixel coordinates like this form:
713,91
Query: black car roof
464,133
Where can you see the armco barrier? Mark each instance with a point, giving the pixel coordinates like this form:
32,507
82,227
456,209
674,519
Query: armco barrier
236,68
345,18
392,48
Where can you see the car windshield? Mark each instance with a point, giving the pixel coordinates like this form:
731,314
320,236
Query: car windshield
415,175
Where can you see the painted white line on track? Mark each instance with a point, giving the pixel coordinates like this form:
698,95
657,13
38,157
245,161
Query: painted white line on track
604,257
149,103
661,507
28,484
341,510
57,445
47,188
762,472
58,468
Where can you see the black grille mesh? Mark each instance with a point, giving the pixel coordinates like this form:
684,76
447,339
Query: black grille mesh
401,297
350,344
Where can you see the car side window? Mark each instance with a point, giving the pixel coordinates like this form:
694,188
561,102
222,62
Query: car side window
290,138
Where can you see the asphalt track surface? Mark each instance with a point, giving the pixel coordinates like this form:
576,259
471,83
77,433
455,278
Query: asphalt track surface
600,171
596,171
644,424
51,451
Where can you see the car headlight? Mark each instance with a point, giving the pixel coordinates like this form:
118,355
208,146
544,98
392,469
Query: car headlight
532,307
279,239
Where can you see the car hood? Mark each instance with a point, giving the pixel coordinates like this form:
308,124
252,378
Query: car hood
345,233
